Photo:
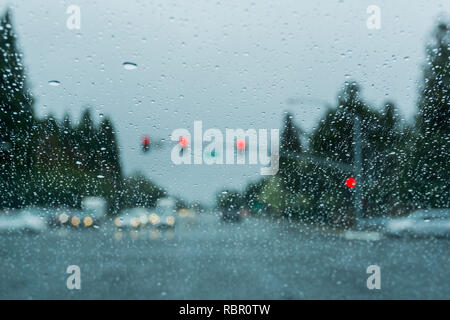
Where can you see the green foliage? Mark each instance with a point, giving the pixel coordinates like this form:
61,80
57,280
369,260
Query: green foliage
138,191
290,136
431,153
16,117
229,200
49,163
434,100
404,166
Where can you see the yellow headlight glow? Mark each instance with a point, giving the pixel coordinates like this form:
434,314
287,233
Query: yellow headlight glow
75,221
88,221
170,220
183,213
153,218
118,222
135,222
63,217
143,219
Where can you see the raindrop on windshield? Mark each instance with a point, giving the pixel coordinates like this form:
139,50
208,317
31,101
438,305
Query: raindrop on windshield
54,83
129,65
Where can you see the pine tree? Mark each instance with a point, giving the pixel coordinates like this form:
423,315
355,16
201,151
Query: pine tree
109,151
67,138
86,142
290,136
333,137
16,119
434,101
291,175
430,164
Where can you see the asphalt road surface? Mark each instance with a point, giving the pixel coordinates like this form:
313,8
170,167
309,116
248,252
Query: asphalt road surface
208,259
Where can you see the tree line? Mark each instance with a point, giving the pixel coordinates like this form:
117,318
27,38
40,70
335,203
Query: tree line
45,162
405,165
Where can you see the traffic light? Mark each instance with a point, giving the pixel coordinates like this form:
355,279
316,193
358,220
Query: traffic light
183,141
350,182
240,144
145,143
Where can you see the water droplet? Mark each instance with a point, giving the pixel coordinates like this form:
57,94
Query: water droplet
129,65
54,83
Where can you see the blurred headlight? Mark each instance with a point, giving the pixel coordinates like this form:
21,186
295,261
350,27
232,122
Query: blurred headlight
143,219
399,225
135,222
88,221
183,213
63,217
118,222
153,218
75,221
170,220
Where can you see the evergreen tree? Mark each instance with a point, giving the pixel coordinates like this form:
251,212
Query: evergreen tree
138,191
86,142
16,118
109,151
333,137
290,173
290,136
385,170
109,162
67,139
430,164
434,101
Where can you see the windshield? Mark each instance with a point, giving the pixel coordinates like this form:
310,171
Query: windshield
231,149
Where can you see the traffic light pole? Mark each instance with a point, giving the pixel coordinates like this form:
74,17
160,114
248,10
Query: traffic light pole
357,153
355,169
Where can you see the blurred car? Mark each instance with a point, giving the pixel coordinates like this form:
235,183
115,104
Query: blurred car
373,223
22,221
164,215
132,218
427,222
47,215
76,219
95,207
231,215
187,215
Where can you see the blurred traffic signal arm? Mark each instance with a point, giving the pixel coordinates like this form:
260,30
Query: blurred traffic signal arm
345,167
148,143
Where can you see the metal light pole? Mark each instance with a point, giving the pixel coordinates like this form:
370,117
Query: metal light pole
357,153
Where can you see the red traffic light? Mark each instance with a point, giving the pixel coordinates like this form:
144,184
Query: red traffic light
183,141
350,182
145,141
240,144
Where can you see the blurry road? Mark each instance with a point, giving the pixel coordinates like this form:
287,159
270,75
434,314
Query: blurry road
255,259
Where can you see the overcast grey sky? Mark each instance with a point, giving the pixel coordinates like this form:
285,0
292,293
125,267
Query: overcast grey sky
229,63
